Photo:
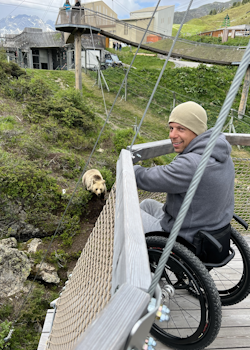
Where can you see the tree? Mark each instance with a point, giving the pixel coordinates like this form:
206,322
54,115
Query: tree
226,22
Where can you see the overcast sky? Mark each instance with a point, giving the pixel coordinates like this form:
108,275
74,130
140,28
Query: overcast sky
49,8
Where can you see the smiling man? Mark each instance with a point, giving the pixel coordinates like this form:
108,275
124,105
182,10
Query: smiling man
213,204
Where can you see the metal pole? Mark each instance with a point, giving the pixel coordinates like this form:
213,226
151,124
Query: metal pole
85,61
104,80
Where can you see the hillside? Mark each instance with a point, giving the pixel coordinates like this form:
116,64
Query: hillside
202,10
238,15
47,132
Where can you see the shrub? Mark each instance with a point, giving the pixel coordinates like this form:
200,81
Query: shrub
4,330
108,177
3,55
123,138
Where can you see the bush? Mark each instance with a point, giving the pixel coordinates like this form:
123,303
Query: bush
70,109
67,107
4,330
123,138
3,55
108,177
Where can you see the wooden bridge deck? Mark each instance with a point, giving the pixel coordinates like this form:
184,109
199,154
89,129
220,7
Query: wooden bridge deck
235,328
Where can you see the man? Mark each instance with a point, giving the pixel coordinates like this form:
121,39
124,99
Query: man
76,9
212,206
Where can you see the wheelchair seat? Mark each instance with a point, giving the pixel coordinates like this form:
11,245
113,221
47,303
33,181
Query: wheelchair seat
213,247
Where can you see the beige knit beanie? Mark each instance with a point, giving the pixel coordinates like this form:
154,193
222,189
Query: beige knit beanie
191,115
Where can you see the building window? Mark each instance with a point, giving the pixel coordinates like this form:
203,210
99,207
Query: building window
35,58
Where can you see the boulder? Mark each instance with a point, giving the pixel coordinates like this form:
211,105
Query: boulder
15,267
33,245
9,242
47,273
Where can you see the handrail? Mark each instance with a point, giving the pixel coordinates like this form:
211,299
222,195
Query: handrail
159,148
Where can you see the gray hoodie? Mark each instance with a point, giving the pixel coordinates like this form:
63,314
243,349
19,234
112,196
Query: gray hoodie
213,204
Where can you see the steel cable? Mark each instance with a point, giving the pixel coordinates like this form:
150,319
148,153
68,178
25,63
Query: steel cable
161,73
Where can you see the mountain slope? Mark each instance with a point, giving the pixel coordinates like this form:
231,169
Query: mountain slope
203,10
16,24
238,15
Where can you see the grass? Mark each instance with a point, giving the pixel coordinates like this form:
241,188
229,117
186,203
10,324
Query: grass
238,15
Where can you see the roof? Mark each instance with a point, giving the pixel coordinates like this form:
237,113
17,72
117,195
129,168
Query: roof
136,19
239,27
28,39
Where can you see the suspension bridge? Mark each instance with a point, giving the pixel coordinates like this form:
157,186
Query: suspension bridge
86,21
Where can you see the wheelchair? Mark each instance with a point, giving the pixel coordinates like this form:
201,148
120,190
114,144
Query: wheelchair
213,271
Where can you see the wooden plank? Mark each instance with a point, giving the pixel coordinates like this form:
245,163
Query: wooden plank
232,318
238,139
158,148
151,149
113,324
46,329
43,341
244,94
130,261
232,338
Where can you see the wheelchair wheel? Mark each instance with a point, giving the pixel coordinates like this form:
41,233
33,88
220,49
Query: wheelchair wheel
195,308
233,279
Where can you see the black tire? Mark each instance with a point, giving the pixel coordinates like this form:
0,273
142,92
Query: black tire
195,308
233,279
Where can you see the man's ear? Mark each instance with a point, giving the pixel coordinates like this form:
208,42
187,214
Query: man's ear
103,181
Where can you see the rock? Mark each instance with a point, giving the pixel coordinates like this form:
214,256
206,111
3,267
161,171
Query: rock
22,216
9,242
15,267
23,230
33,245
47,273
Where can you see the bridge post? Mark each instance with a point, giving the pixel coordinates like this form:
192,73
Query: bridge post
78,65
126,83
244,95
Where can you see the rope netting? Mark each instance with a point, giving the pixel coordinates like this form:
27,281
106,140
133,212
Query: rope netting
242,191
89,288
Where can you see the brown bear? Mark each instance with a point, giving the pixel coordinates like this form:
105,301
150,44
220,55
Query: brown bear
93,181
